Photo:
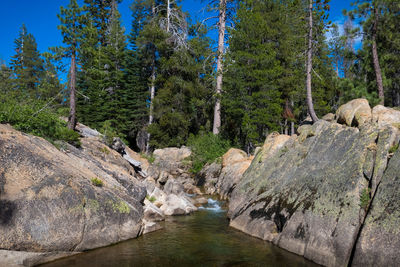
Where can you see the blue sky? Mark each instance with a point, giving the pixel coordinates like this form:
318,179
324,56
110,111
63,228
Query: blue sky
40,17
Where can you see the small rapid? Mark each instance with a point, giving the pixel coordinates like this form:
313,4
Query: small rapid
212,205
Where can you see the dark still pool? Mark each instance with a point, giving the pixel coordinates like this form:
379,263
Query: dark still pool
201,239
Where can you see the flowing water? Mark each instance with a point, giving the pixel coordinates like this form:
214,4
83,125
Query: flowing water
201,239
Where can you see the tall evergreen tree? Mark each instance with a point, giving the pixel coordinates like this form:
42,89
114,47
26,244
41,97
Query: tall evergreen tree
138,71
72,21
181,106
6,79
315,10
252,103
114,67
265,63
160,26
91,97
370,11
27,64
100,12
106,96
50,85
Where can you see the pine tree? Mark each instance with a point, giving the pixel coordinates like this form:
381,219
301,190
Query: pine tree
27,64
92,96
138,71
265,62
114,62
6,80
370,12
106,99
389,41
315,10
100,12
160,28
182,103
337,46
72,21
252,103
50,86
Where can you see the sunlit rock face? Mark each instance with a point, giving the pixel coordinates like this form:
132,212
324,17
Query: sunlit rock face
48,201
329,194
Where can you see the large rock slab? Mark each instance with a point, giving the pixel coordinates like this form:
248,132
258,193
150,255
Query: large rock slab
304,196
379,240
49,203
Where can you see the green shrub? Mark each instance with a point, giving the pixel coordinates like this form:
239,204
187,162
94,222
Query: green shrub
151,198
205,149
32,118
109,132
365,198
104,150
97,182
393,149
149,157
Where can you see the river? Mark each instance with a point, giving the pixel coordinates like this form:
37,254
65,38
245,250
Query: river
201,239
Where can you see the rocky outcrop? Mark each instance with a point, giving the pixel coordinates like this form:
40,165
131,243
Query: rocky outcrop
173,164
208,177
304,197
379,241
58,200
68,200
354,113
172,201
383,116
234,163
152,213
329,193
221,178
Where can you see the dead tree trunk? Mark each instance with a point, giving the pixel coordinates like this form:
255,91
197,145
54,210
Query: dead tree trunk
221,37
72,89
152,88
168,14
309,64
377,67
152,94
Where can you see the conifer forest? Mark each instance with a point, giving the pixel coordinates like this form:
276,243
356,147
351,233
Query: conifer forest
251,68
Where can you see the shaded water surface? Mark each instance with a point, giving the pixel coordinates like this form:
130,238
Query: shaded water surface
201,239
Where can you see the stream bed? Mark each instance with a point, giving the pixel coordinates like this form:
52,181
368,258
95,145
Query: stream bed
201,239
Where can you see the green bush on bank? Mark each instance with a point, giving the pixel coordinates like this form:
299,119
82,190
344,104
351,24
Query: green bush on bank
205,149
32,118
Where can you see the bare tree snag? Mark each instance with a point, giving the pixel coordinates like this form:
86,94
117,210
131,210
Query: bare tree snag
377,67
221,37
309,64
72,89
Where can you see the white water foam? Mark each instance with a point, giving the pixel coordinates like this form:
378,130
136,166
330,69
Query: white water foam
212,205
